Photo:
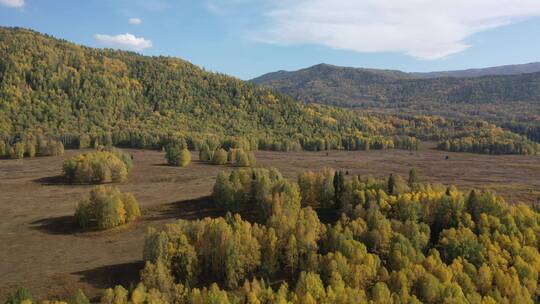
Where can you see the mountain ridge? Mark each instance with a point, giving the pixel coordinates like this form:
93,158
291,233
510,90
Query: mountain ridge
501,70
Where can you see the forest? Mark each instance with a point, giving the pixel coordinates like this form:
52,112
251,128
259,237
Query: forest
88,97
331,237
510,101
74,120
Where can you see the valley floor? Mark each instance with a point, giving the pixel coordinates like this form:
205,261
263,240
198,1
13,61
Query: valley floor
42,249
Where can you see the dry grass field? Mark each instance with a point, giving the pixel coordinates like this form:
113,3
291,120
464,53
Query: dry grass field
42,249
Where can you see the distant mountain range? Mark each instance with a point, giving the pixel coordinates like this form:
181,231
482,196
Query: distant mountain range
383,89
513,69
506,95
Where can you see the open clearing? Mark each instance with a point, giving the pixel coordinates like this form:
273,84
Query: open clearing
42,249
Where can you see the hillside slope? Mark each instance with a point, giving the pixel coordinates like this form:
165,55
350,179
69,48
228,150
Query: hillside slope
63,89
59,89
512,101
358,87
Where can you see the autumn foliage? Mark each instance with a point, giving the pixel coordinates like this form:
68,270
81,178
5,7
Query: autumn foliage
107,207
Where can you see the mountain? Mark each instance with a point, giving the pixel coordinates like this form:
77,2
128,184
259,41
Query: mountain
51,87
381,74
344,86
514,69
56,88
509,100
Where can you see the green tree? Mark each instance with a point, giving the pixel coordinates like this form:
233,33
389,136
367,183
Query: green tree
17,151
413,178
96,167
107,207
30,149
242,158
220,157
172,154
184,262
184,158
79,298
3,148
310,283
177,156
339,189
21,295
391,184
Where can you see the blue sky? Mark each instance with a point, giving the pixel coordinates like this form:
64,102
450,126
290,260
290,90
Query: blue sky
247,38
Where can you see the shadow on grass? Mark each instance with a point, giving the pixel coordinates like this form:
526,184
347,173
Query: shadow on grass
126,274
188,210
203,207
51,180
57,225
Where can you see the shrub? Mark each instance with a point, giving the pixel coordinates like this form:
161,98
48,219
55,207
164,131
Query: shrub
185,158
55,148
30,149
220,157
241,158
205,155
95,167
124,157
84,141
3,148
107,207
50,148
17,151
177,156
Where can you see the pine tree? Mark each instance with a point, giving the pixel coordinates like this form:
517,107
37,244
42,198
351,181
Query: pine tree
413,178
391,184
339,189
172,154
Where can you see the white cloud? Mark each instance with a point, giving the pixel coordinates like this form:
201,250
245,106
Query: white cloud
12,3
135,21
124,41
426,29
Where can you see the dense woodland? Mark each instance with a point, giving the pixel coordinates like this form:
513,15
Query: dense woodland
88,97
511,101
392,240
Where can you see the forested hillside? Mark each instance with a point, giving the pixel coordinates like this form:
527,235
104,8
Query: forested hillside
509,100
53,88
62,89
353,87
